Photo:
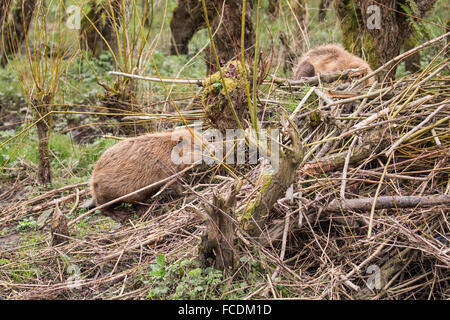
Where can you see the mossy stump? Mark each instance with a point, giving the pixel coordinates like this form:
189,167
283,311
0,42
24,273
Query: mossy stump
218,109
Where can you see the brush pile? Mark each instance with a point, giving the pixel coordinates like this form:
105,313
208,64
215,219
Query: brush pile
366,216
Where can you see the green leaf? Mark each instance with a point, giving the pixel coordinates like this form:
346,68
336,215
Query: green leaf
195,273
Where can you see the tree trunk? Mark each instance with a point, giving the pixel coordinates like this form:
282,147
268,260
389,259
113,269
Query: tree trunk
228,37
187,19
44,171
377,32
354,36
412,63
14,26
273,188
98,27
40,106
323,8
273,7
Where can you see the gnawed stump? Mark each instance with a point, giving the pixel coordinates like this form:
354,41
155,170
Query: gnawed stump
216,247
59,228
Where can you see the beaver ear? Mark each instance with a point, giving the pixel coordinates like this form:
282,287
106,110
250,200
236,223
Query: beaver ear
305,69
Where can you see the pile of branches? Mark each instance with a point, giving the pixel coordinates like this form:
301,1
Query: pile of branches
367,216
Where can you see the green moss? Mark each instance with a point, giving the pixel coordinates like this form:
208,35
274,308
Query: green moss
249,210
355,41
214,99
370,52
350,21
266,180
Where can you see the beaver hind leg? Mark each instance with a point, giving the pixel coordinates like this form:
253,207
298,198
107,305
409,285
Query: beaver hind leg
120,216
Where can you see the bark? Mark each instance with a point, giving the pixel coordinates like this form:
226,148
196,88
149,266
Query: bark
377,45
388,202
274,188
42,127
44,170
14,26
228,37
187,19
97,31
354,35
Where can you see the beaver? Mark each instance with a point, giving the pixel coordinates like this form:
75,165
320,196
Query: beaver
140,161
329,58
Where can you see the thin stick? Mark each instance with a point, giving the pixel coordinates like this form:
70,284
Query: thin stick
416,128
302,102
197,82
345,170
324,77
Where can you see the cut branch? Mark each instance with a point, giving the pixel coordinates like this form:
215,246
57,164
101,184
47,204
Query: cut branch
388,202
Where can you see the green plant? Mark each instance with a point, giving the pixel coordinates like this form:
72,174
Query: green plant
27,224
182,280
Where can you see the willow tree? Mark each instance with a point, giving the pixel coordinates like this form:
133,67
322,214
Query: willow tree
227,27
187,19
378,30
38,68
100,24
225,17
15,19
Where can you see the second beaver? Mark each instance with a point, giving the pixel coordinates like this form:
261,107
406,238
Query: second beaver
140,161
329,58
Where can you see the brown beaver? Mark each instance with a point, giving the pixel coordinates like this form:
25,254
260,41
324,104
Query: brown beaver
329,58
140,161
